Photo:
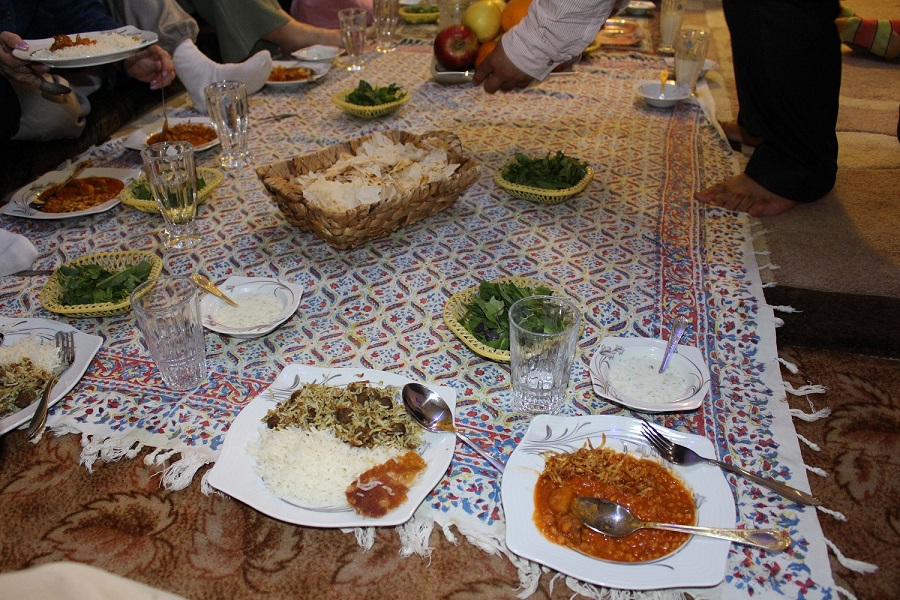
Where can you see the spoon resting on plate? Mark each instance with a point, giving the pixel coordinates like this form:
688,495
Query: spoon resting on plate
428,409
615,520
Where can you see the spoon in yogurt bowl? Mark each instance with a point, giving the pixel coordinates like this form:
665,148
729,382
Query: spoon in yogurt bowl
207,285
428,409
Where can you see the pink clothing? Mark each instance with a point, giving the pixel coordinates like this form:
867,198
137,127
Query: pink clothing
323,13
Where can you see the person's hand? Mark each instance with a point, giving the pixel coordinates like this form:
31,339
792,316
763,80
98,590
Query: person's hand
153,65
497,72
14,68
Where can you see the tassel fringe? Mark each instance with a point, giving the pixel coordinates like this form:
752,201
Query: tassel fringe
856,566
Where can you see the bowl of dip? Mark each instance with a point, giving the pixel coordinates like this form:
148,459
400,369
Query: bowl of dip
625,370
263,304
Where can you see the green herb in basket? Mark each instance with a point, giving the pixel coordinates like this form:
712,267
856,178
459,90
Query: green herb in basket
366,95
421,8
486,316
90,283
556,172
141,189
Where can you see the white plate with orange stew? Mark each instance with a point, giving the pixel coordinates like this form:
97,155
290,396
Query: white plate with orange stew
139,139
698,563
76,199
293,73
235,471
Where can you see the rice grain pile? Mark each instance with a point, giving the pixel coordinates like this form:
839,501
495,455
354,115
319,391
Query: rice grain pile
104,43
25,368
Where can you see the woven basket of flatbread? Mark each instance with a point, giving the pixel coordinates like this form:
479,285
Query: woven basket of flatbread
353,227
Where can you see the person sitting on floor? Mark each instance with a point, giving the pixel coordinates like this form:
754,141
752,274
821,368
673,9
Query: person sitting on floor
177,33
30,114
880,37
246,26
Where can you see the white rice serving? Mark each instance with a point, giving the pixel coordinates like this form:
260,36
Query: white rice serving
638,377
106,43
312,467
43,356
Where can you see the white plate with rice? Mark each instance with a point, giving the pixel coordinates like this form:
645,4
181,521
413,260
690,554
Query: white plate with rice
263,304
35,338
626,371
235,472
112,46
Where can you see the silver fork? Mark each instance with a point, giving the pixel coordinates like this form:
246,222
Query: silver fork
682,455
65,341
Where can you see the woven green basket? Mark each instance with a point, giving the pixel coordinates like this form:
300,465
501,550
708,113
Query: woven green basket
367,112
541,195
111,261
455,308
417,18
211,177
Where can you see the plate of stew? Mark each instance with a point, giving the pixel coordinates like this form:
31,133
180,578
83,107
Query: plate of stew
196,130
94,191
292,73
625,469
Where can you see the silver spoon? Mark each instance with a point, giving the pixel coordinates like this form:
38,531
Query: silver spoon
615,520
53,88
429,410
678,330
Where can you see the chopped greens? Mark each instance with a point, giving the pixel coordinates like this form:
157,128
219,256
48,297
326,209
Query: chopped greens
90,283
421,8
366,95
549,173
141,189
487,315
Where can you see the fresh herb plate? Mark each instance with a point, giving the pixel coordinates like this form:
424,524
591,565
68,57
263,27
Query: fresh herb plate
211,179
541,195
455,308
367,112
112,261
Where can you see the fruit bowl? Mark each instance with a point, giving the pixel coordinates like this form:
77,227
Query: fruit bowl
368,112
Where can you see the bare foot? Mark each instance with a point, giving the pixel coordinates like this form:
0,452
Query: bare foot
742,194
738,135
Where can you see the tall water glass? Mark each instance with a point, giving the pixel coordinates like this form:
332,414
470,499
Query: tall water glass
671,14
387,15
353,33
691,45
543,333
173,183
167,311
450,12
229,111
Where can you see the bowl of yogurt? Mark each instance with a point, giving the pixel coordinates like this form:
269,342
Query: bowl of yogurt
263,304
625,370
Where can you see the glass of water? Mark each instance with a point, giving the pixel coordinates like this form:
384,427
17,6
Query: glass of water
229,111
671,14
173,181
543,333
387,15
353,33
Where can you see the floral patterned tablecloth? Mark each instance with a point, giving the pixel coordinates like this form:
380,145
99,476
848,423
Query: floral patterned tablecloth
633,250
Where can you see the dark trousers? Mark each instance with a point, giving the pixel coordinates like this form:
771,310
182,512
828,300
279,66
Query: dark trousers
787,68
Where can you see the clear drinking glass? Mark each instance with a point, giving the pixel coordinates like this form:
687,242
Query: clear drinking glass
353,33
173,181
691,45
543,332
450,12
387,15
671,14
229,112
167,311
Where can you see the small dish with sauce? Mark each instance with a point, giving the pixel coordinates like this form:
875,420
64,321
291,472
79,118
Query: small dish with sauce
626,371
263,305
141,138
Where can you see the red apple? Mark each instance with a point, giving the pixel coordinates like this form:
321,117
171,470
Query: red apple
455,47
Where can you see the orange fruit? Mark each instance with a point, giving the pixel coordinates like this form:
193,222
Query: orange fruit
483,50
514,12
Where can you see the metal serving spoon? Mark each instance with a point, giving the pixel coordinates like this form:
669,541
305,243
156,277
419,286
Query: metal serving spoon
207,285
615,520
428,409
679,328
53,88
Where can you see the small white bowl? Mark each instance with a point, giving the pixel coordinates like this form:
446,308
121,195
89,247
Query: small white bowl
708,65
638,8
673,93
318,53
685,381
244,290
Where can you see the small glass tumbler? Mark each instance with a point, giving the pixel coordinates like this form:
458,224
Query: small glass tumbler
387,15
353,33
173,181
229,112
543,333
671,14
691,45
167,311
450,12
